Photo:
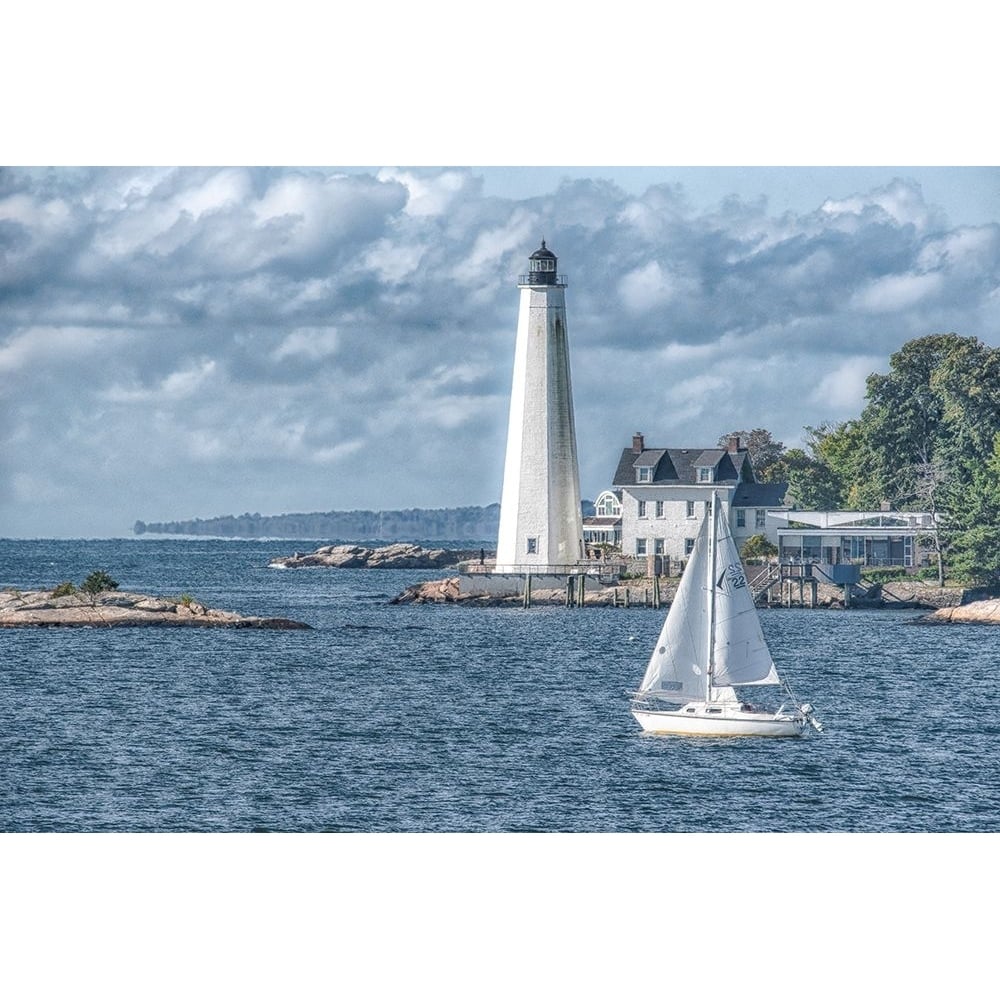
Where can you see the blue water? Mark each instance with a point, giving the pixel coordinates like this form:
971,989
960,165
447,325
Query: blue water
420,718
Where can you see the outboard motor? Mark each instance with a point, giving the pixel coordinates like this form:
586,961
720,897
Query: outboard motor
807,711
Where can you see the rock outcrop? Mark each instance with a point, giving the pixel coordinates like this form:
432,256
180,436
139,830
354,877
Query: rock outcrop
116,609
400,556
981,612
430,592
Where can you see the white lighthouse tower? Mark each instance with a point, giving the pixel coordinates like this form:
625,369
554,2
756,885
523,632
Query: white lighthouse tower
541,525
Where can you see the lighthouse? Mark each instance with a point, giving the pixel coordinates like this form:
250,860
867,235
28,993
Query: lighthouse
541,526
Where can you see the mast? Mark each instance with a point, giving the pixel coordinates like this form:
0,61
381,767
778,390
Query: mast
712,540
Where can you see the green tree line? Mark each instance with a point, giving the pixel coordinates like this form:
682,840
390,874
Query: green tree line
415,524
928,439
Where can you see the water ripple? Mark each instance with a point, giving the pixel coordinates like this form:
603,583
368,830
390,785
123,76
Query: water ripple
402,718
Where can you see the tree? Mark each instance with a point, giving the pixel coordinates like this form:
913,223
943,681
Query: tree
758,547
939,402
811,484
97,583
839,449
974,524
930,485
765,452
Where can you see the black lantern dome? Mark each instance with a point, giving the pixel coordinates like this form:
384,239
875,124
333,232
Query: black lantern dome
542,266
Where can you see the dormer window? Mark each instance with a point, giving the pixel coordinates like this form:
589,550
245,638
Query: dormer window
705,473
644,474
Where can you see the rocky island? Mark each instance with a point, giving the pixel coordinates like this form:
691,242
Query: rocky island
117,609
979,612
399,556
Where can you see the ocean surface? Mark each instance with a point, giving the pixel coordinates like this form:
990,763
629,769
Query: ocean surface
452,719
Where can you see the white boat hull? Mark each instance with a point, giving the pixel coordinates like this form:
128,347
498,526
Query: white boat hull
701,719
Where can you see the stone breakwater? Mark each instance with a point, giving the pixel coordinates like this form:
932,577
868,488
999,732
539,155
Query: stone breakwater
449,591
399,556
980,612
116,609
637,592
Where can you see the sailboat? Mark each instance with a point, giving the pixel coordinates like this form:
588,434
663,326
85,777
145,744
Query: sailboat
711,642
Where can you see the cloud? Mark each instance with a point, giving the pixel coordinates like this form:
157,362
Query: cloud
896,292
187,342
842,390
899,202
311,343
646,288
431,193
178,385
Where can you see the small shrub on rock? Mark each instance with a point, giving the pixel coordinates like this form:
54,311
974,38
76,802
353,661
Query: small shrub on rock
66,589
98,582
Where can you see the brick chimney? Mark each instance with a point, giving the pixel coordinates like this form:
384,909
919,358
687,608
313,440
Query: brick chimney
638,444
733,445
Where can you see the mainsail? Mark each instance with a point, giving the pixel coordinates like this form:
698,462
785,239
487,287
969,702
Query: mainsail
678,667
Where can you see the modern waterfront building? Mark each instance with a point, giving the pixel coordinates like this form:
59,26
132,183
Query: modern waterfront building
541,524
863,537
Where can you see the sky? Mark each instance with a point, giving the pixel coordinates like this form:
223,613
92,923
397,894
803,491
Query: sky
190,342
193,341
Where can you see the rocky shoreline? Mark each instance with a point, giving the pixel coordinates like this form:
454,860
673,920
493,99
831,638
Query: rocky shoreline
399,556
117,609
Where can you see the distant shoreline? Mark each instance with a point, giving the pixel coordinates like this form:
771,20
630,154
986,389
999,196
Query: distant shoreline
381,526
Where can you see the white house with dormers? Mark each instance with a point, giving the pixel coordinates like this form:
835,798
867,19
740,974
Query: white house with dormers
664,493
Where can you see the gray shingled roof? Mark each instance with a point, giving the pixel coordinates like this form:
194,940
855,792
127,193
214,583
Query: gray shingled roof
676,466
709,458
760,495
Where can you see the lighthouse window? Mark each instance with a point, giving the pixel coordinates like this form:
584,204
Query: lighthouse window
642,508
704,474
644,474
532,546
